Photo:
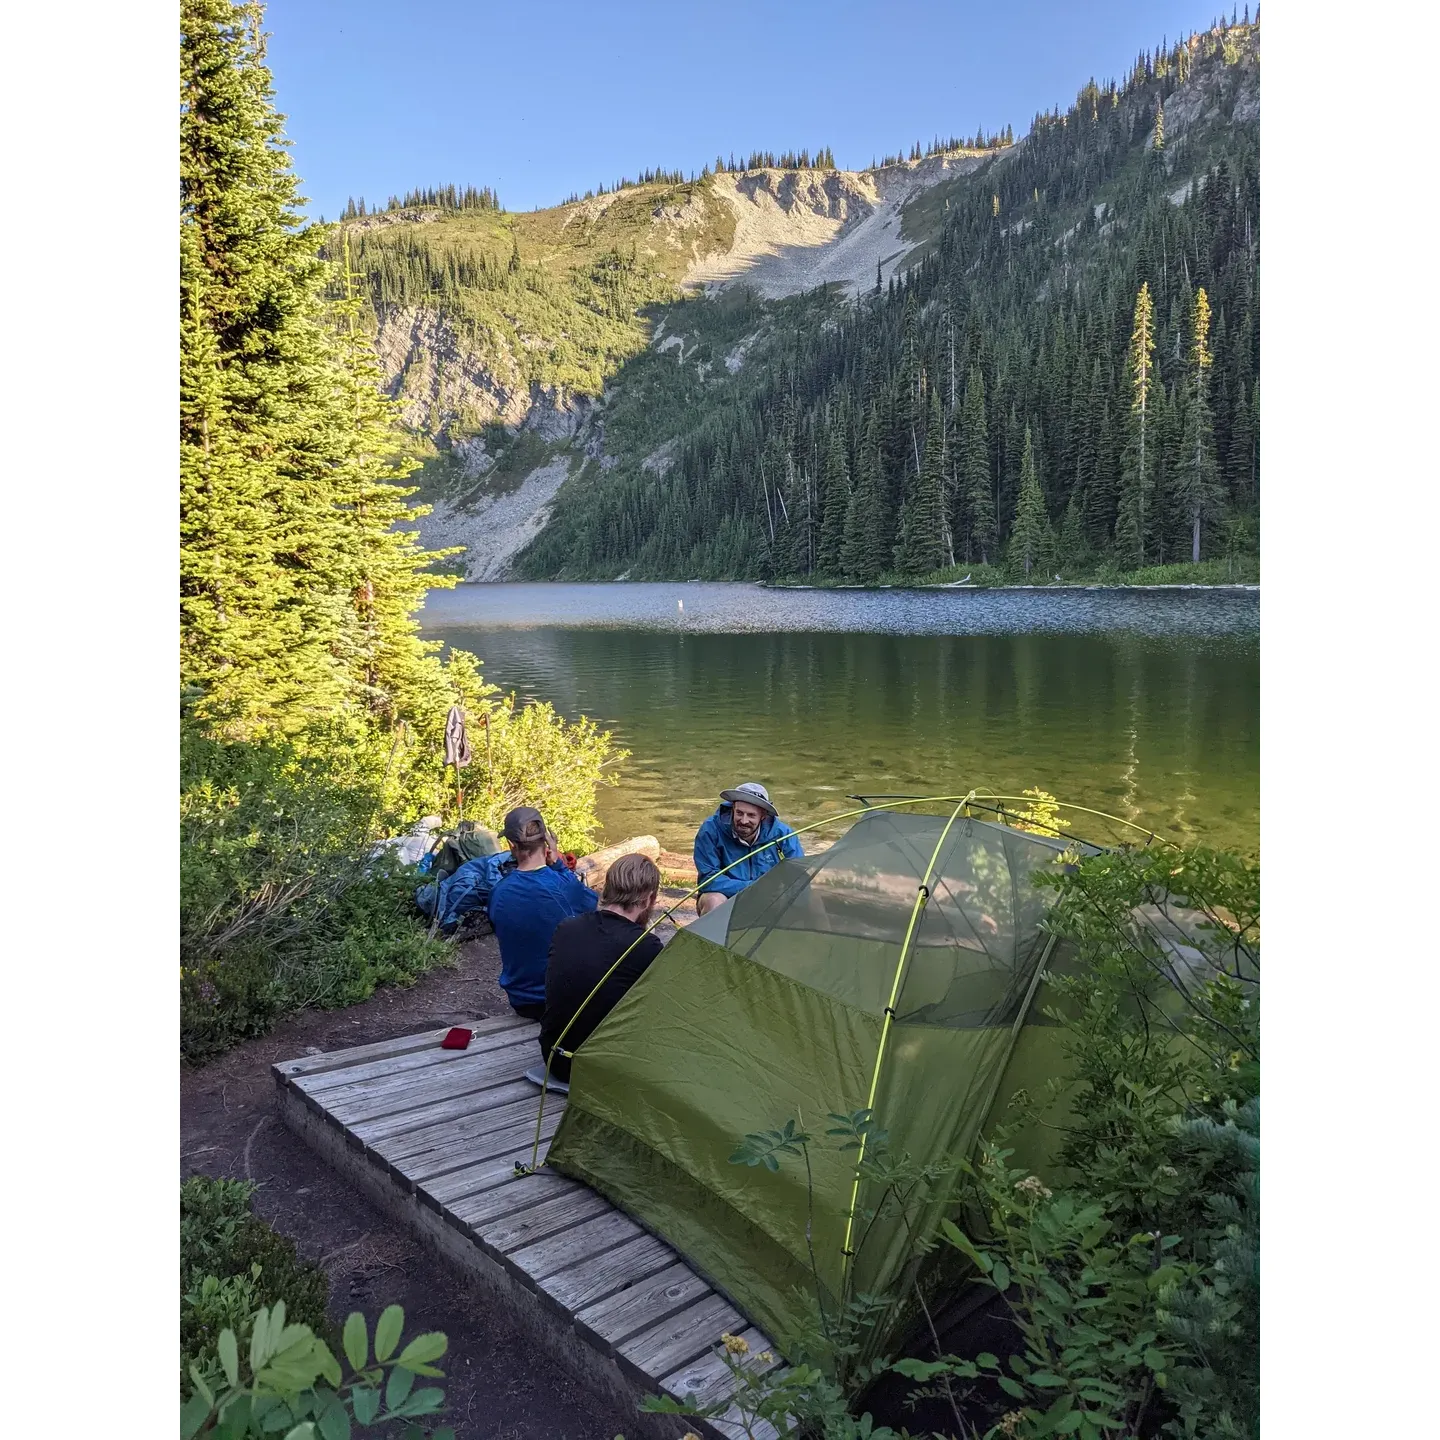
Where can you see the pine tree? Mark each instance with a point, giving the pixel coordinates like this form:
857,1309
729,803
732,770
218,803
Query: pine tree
1072,551
1137,463
1029,535
975,484
863,553
837,499
1198,475
921,546
298,578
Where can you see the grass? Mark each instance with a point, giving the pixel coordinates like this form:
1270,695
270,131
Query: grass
573,311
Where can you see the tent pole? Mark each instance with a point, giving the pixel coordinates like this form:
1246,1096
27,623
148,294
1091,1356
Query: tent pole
523,1169
922,897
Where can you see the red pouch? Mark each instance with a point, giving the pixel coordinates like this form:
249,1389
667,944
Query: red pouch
457,1039
569,860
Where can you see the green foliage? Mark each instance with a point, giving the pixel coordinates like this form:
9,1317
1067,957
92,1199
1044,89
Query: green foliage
231,1264
1024,288
282,907
1134,1283
313,714
279,909
288,1381
1084,1299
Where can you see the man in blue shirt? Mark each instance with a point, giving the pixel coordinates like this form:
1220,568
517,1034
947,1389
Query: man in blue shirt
526,905
740,830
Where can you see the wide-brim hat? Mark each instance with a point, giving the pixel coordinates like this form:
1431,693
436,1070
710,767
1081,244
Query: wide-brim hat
750,794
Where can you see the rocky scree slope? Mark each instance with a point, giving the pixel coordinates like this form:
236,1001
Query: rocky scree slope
491,326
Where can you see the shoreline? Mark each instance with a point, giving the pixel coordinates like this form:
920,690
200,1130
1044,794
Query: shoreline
1235,587
1239,587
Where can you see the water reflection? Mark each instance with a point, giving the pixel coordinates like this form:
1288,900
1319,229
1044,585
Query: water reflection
1154,718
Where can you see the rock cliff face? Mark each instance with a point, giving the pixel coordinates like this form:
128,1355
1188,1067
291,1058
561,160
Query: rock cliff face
441,379
793,231
799,229
494,527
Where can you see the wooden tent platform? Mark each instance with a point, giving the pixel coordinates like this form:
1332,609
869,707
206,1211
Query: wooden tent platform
432,1136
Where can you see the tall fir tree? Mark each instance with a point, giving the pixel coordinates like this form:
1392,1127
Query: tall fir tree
299,580
1199,487
837,499
1029,537
921,547
978,524
863,554
1137,479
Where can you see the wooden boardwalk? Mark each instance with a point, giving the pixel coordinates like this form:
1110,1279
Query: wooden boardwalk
433,1135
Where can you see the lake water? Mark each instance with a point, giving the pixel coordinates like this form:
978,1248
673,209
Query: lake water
1143,704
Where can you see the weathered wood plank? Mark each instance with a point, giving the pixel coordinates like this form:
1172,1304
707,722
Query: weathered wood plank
708,1378
524,1227
612,1268
639,1306
401,1045
668,1345
376,1099
447,1166
392,1070
447,1185
518,1140
570,1247
450,1120
452,1125
519,1193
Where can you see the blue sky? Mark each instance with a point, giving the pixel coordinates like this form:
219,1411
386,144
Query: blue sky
543,97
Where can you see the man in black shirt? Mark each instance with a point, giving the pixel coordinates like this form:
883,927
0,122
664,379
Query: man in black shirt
586,946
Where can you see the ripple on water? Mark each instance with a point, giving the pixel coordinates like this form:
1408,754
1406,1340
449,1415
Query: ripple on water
1144,703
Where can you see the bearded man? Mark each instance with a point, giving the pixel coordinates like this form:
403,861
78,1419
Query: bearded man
742,830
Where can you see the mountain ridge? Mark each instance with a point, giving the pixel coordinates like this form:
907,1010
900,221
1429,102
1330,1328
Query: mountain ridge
548,344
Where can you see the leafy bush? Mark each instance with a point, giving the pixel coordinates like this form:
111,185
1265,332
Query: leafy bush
231,1264
290,1382
281,907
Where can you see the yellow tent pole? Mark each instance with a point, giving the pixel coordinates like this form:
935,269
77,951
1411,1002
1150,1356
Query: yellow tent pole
964,800
922,897
690,894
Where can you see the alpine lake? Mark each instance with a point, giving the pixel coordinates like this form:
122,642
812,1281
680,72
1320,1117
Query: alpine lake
1143,704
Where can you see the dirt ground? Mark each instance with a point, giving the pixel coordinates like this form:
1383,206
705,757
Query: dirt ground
496,1387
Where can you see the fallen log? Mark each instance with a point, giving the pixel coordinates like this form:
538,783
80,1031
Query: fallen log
592,869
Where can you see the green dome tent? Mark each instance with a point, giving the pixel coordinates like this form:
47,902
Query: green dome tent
899,972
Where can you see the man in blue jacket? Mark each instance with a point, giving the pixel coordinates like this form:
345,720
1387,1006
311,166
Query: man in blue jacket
741,829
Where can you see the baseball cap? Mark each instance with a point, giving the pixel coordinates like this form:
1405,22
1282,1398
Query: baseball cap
524,826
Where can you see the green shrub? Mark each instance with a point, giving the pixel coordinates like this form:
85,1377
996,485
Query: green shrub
287,1381
281,907
232,1263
